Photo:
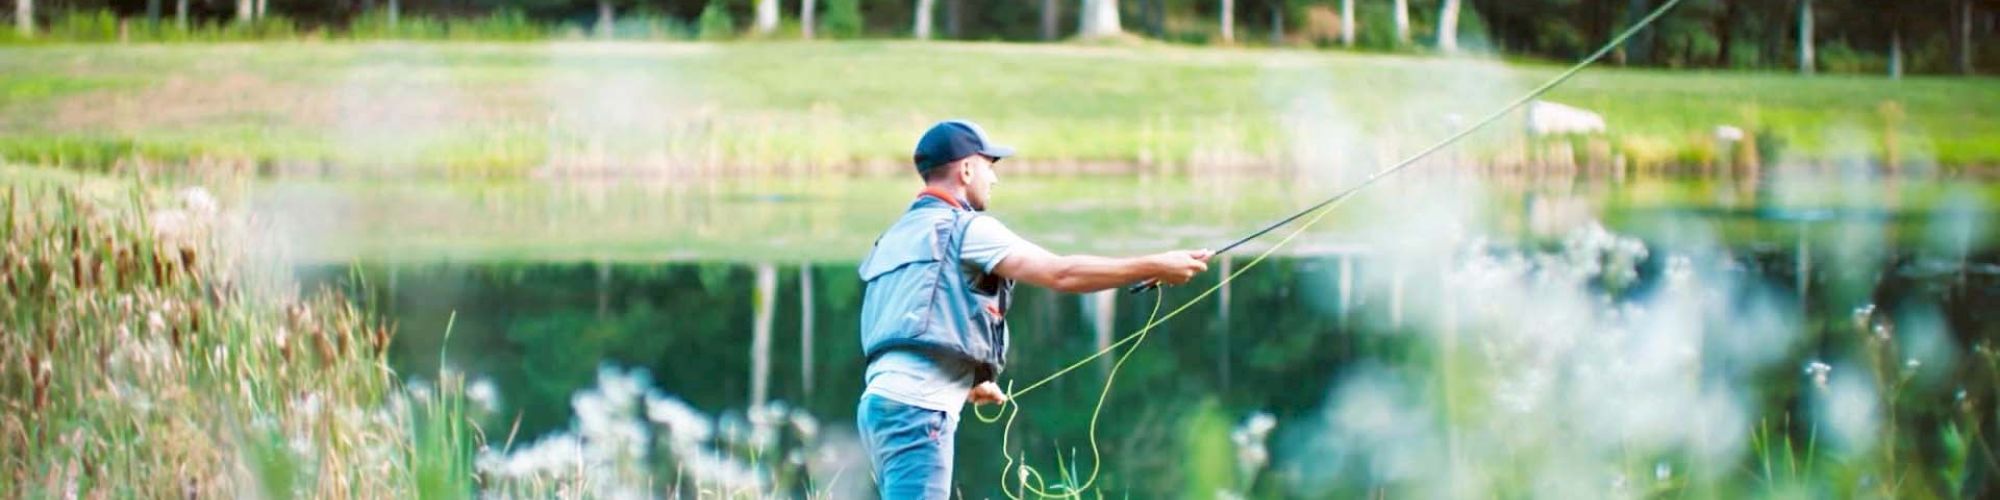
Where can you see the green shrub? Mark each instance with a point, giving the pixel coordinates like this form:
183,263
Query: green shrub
376,26
85,26
1838,57
715,23
649,24
843,19
507,23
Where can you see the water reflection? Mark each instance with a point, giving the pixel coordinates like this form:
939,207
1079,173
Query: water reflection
1297,338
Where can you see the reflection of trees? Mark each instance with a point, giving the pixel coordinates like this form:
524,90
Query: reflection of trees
542,330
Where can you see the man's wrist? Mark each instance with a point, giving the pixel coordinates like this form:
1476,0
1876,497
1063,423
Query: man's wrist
1150,266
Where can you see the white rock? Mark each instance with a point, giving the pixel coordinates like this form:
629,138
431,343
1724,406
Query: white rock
1548,118
1727,133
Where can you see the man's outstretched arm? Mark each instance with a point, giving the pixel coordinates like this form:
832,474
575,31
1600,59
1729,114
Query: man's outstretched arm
1089,273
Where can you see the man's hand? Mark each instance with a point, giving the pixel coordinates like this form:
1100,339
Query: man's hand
1179,266
986,392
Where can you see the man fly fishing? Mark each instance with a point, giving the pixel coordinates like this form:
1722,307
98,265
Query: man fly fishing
933,325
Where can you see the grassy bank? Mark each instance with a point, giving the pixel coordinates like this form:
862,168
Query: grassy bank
702,109
149,357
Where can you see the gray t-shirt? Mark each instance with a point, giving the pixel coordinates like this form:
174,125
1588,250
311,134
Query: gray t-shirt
932,383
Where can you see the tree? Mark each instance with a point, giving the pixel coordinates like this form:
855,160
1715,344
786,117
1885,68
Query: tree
767,17
922,28
181,14
1805,37
806,18
1229,21
1962,32
1347,23
1052,14
954,19
246,10
24,17
605,18
1277,22
1638,50
1448,27
1099,19
1402,22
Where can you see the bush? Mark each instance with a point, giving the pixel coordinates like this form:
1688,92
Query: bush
1838,57
650,24
272,27
506,23
85,26
843,19
715,23
376,25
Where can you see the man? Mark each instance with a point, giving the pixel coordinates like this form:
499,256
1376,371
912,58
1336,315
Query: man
939,283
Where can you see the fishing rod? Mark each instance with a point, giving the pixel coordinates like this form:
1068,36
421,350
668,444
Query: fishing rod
1149,285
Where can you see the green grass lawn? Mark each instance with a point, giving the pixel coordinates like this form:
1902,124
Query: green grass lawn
690,109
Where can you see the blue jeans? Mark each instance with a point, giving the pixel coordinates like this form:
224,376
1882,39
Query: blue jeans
910,447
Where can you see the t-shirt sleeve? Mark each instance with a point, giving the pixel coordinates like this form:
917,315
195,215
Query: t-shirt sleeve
987,242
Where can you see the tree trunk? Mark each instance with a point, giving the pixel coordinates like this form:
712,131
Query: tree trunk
954,19
1229,22
395,11
1896,54
153,12
24,17
1725,34
1099,18
1158,23
605,17
764,309
262,6
767,17
1402,22
806,322
1277,24
1805,37
922,27
1964,35
246,10
1347,23
181,14
806,18
1051,15
1448,27
1639,50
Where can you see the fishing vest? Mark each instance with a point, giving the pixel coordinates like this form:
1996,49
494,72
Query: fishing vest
920,297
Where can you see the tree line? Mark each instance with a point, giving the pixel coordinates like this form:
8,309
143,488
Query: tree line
1882,36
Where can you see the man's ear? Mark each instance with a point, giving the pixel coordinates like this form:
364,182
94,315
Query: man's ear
965,172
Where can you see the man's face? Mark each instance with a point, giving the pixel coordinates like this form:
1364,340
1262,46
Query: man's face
978,176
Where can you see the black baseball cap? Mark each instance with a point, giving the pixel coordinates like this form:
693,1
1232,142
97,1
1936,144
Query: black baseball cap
953,140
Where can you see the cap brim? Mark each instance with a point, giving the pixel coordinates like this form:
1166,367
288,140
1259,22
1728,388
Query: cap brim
998,151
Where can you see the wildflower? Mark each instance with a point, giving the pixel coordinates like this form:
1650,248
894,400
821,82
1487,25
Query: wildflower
197,200
1818,371
683,423
484,394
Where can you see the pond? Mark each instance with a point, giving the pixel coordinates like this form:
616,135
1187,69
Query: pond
1440,336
